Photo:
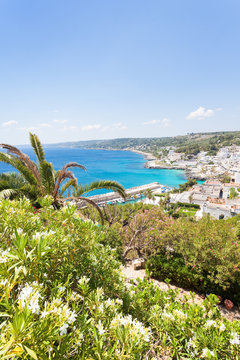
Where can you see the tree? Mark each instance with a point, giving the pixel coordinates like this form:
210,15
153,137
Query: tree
233,194
41,179
149,194
10,184
190,198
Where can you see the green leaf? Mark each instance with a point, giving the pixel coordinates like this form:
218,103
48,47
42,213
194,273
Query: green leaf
47,176
20,166
31,353
102,184
37,147
69,183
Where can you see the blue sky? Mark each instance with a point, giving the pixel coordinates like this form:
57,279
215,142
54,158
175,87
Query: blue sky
77,70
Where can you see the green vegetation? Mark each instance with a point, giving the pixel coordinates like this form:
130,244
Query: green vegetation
62,290
210,247
180,209
10,185
233,194
190,144
62,293
186,186
37,180
187,212
225,179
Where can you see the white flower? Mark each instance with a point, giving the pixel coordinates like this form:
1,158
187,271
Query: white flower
168,316
71,203
222,327
29,296
206,352
179,314
44,313
62,288
72,317
83,280
4,254
235,339
101,308
19,231
136,328
75,296
119,301
63,329
210,323
100,328
191,343
99,293
3,282
109,302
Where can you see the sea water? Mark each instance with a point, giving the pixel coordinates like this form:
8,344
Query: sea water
126,167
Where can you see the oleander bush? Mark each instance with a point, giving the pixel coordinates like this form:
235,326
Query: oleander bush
210,247
172,266
203,255
181,323
63,296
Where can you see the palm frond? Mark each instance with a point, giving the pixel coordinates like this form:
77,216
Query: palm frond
7,193
61,177
47,176
24,158
30,191
11,180
3,185
73,164
69,183
89,201
37,147
102,184
20,166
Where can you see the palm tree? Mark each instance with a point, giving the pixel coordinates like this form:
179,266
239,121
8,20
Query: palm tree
10,185
149,194
41,179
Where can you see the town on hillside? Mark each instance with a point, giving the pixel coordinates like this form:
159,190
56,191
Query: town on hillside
219,195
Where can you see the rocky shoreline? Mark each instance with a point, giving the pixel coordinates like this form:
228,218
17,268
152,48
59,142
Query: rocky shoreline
152,163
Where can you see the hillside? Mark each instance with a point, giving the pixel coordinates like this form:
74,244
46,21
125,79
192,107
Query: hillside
189,144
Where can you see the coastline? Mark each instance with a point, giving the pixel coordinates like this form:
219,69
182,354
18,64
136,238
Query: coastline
151,163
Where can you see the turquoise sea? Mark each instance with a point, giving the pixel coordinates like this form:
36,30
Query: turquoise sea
123,166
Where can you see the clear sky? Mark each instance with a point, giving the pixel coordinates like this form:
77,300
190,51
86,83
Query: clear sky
95,69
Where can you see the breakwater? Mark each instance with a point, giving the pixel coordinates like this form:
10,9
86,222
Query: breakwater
132,193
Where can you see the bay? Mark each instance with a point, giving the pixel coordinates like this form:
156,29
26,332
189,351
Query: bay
126,167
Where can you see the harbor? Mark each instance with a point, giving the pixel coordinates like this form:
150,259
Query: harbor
134,194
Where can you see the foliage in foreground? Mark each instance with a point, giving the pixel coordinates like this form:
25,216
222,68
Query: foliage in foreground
205,254
62,295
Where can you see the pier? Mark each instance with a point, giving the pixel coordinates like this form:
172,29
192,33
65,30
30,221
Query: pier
132,193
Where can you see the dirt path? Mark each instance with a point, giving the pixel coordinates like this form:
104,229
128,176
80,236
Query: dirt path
131,274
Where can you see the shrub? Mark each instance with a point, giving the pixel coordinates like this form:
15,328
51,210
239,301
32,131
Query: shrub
187,205
63,295
210,247
185,329
111,237
172,266
144,231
